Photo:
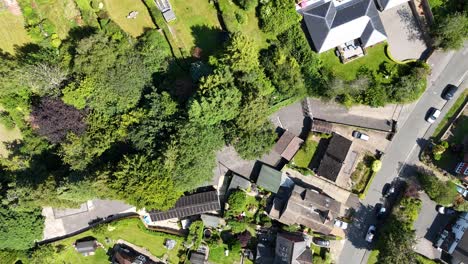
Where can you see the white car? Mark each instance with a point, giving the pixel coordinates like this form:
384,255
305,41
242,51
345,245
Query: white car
341,224
433,115
360,135
370,233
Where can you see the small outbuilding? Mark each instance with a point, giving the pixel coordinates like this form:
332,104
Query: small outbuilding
86,248
271,179
288,145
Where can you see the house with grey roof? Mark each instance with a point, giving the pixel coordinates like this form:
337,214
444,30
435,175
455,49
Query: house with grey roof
290,248
335,157
333,23
308,208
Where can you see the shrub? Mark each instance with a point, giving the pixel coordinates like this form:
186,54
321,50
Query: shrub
6,120
247,4
237,202
441,192
376,165
241,18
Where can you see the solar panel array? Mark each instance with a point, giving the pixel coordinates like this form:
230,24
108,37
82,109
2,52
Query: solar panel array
189,205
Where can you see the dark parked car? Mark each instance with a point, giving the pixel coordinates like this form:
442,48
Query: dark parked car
321,242
381,211
389,189
449,92
445,210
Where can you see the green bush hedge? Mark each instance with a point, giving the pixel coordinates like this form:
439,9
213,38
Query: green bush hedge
439,191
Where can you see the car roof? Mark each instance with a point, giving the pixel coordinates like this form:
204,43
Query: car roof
436,113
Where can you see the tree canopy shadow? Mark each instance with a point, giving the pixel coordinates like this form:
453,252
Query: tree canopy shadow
356,232
208,40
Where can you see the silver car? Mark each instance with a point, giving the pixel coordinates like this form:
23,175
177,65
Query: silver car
370,233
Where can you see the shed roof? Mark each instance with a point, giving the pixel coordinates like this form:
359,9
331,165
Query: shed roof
212,221
239,182
283,142
269,179
197,257
86,246
322,126
292,148
189,205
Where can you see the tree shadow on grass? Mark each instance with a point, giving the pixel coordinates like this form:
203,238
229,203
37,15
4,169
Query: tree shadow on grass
208,39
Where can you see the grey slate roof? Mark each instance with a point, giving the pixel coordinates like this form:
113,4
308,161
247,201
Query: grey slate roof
322,17
290,248
189,205
239,182
269,179
334,157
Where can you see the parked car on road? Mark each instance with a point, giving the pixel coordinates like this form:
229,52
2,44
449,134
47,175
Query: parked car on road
434,113
445,210
381,211
370,233
341,224
449,92
321,242
360,135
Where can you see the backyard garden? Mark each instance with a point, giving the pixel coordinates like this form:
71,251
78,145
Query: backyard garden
130,230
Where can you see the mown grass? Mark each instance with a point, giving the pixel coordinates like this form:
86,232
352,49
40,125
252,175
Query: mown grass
453,110
12,31
63,14
306,153
218,256
374,58
196,25
131,230
118,11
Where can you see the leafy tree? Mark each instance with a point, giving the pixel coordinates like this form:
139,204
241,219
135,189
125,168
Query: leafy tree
285,74
251,145
78,94
43,254
276,16
192,154
396,243
237,226
20,229
154,50
54,119
195,235
409,87
219,100
157,123
45,78
237,202
451,31
144,183
442,192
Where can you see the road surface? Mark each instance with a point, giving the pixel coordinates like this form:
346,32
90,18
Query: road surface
404,149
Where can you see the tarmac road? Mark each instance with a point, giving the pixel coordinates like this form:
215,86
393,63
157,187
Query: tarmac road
404,149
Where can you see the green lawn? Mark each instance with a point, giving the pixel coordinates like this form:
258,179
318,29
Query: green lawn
63,14
88,14
373,257
131,230
450,114
306,153
118,11
196,25
373,59
217,254
12,31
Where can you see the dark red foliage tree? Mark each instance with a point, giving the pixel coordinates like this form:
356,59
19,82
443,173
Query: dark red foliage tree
54,119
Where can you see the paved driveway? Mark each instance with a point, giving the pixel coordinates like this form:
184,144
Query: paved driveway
403,34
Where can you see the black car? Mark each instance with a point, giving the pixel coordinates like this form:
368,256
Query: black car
449,92
388,190
321,242
381,211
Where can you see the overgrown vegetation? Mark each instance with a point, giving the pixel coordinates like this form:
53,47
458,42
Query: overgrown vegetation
362,174
450,29
397,236
442,192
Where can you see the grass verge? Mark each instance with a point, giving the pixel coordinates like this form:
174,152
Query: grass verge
362,195
450,114
373,257
63,14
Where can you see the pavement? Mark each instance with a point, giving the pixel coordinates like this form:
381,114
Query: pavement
405,148
60,222
404,37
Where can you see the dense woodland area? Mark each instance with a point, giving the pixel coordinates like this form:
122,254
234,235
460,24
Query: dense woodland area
101,115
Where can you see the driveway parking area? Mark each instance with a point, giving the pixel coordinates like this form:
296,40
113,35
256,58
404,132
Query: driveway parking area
404,36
